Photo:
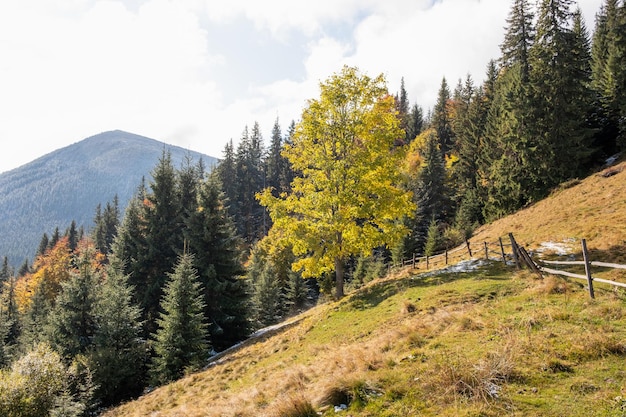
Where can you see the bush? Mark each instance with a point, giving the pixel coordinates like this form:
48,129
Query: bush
39,384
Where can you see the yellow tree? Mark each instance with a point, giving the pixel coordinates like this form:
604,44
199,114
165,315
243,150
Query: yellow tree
347,199
51,269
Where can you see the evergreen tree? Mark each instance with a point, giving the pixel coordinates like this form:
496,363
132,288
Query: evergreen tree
432,238
226,172
268,297
180,342
518,38
72,236
427,180
250,180
119,356
163,237
54,239
211,237
402,106
43,244
608,75
441,119
562,101
106,223
73,319
416,123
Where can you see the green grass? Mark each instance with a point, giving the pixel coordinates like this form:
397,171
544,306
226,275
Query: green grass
487,343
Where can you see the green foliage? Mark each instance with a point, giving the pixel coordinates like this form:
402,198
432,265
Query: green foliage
433,239
118,357
348,199
39,384
72,322
268,297
180,342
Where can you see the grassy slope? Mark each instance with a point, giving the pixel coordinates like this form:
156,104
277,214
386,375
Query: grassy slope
488,342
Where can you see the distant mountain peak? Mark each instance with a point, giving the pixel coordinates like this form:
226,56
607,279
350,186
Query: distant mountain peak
69,183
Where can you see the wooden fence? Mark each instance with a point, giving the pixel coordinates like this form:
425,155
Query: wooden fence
518,256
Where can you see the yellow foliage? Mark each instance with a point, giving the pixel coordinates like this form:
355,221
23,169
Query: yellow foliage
51,269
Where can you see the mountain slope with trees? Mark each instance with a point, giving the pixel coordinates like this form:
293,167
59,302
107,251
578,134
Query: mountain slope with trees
68,184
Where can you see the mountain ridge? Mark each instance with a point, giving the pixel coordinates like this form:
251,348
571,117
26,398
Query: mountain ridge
68,184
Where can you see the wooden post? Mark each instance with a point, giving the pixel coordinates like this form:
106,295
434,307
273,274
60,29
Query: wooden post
502,250
588,269
486,251
529,262
427,264
413,260
446,257
469,250
515,250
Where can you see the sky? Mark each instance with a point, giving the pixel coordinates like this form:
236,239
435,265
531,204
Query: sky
196,73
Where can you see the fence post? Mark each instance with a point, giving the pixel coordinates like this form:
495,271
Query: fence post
515,250
469,250
446,257
502,250
486,251
427,263
588,269
413,260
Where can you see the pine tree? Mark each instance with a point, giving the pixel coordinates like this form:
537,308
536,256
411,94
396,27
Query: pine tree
180,342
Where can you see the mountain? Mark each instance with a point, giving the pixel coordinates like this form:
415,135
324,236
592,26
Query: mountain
69,183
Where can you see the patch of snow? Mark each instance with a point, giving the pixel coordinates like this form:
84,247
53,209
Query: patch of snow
461,267
558,248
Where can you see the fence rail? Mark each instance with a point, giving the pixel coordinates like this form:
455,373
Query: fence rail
520,257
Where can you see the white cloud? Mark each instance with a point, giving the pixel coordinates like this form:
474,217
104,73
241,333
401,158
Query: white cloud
74,68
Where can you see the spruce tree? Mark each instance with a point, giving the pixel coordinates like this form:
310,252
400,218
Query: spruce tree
72,322
562,102
441,119
605,47
518,38
268,297
119,356
181,340
210,235
163,237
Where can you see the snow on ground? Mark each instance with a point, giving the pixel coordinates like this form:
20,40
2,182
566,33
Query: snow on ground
557,248
461,267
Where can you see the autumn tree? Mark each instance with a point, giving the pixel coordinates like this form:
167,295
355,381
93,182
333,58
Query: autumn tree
347,200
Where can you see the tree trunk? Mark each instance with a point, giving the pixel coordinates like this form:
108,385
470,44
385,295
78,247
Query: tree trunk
339,271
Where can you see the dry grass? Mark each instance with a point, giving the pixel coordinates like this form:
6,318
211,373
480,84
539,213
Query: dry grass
592,209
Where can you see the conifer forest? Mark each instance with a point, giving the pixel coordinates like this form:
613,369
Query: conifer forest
200,259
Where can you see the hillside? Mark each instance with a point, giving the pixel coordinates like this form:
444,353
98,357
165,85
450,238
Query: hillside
479,339
69,183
